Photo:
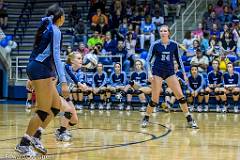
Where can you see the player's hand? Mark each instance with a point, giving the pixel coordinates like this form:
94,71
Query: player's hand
150,78
29,86
65,90
185,78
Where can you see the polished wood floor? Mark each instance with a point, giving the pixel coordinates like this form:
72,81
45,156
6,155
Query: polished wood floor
117,135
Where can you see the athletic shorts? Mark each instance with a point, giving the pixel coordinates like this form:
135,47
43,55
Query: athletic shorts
164,74
36,70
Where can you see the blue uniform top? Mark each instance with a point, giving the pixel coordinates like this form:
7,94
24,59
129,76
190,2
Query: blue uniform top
74,76
99,80
214,78
162,56
139,77
195,84
118,80
231,79
48,50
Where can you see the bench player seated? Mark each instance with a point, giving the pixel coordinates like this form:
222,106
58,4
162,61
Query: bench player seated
231,81
138,85
195,89
215,85
117,83
99,85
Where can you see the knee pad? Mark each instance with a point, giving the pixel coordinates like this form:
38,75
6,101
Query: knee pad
42,115
201,94
235,93
71,124
68,99
130,91
206,93
131,83
68,115
220,93
138,92
101,92
88,92
182,100
55,111
168,94
188,94
118,90
123,93
152,104
78,91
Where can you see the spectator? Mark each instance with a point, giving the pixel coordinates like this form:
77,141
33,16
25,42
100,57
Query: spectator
225,29
226,17
82,49
101,4
3,15
94,40
192,50
188,40
131,43
207,14
215,32
212,19
172,4
121,50
228,43
198,33
200,61
219,8
157,19
223,61
73,16
79,33
215,49
67,51
205,42
117,12
101,27
123,29
157,5
95,18
147,31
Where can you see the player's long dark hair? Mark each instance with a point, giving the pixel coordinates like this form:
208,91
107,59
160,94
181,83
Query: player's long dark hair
55,11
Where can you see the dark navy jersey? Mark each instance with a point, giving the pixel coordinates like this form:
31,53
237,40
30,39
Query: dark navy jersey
214,78
195,84
89,78
99,80
139,77
162,56
118,80
231,79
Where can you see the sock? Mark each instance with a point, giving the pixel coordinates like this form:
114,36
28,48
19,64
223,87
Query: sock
187,114
62,129
146,117
38,133
25,141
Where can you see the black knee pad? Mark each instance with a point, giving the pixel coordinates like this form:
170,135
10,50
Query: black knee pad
42,115
130,91
168,94
71,124
189,94
113,92
118,90
221,93
138,92
79,91
68,99
131,83
68,115
152,104
182,100
101,92
235,93
88,92
55,111
201,94
206,93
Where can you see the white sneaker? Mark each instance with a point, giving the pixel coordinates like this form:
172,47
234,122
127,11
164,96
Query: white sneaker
128,108
63,137
236,109
79,107
108,107
205,108
38,146
224,109
26,151
92,107
191,108
100,106
199,108
217,108
121,106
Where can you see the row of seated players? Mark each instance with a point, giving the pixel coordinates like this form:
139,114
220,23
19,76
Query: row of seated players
99,84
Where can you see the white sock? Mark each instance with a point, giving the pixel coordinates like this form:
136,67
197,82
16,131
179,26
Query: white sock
41,129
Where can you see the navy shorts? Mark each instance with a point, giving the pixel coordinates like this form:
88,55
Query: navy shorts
37,70
164,74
